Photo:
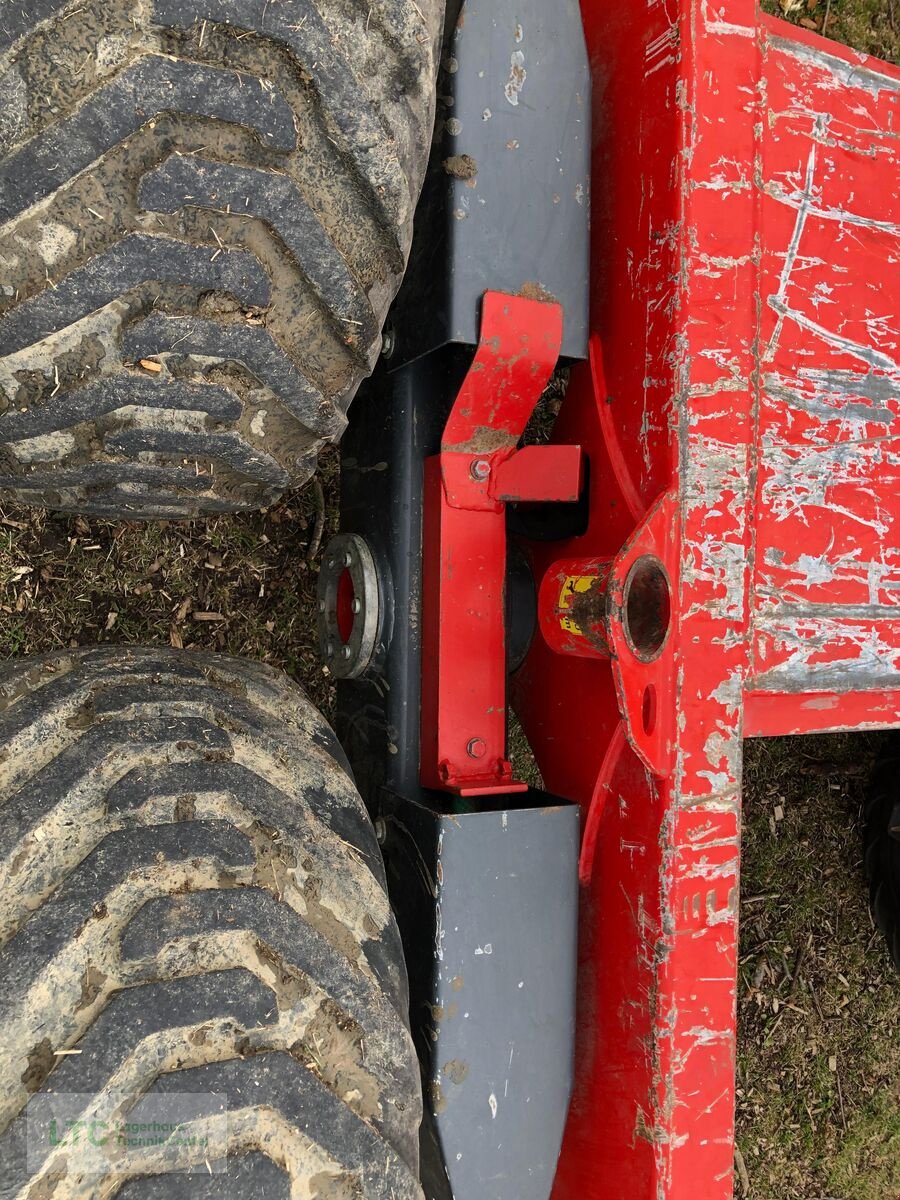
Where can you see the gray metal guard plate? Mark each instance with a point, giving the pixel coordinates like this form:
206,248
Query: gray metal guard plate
506,204
493,990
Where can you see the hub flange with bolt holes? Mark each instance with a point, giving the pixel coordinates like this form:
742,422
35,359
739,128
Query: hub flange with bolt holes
349,606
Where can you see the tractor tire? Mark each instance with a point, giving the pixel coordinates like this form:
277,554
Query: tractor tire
205,211
882,832
195,930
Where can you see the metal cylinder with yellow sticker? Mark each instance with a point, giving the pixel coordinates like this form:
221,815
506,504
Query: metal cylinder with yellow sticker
573,607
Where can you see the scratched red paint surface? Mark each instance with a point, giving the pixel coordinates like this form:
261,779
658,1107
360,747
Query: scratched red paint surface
744,387
827,578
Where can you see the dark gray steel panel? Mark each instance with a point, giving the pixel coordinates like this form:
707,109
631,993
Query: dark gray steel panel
493,987
506,201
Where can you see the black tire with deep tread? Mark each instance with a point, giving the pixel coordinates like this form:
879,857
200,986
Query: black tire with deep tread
221,190
192,899
882,832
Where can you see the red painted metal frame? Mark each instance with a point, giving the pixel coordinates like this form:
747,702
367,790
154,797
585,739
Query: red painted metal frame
479,469
741,411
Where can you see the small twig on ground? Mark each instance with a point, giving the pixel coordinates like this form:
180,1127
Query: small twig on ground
840,1092
798,963
742,1170
812,992
315,541
773,1027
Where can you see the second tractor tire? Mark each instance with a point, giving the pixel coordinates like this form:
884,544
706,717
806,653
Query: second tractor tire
205,211
194,931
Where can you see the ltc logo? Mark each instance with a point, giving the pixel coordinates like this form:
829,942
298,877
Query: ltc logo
180,1131
70,1133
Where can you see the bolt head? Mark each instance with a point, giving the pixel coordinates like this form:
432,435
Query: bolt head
477,748
346,652
356,606
480,469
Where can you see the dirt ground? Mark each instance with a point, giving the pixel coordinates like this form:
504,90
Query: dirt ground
819,1053
243,585
819,1046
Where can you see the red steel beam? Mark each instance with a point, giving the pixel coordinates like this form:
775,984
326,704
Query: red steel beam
741,413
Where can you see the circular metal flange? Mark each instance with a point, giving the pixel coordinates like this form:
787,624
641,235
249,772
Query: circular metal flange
349,606
647,608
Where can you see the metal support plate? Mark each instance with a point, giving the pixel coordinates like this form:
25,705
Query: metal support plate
505,204
494,896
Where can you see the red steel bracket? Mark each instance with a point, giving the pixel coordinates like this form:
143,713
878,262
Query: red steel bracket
621,610
467,487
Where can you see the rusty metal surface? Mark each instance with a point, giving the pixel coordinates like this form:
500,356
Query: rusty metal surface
740,413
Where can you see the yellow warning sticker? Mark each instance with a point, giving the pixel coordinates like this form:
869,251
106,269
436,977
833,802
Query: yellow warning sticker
573,586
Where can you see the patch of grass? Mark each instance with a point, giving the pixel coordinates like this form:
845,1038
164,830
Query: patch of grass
819,1037
867,1165
872,26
